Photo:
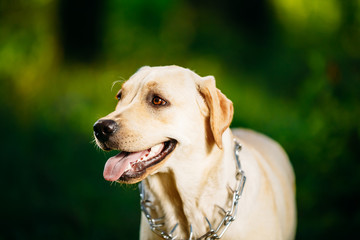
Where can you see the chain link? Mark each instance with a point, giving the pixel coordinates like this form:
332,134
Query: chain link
218,232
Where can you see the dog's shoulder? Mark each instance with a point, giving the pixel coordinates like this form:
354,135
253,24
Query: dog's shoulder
267,147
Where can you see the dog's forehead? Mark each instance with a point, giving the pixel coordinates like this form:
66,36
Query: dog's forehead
161,77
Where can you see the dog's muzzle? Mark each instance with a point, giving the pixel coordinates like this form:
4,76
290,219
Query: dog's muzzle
103,129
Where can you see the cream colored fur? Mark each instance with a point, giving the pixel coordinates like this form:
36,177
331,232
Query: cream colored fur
194,179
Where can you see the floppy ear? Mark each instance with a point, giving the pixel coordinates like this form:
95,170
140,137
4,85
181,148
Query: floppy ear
221,108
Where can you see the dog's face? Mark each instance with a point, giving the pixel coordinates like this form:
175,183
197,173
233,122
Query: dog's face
162,111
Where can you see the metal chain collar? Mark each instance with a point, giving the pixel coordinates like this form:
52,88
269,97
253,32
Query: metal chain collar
213,233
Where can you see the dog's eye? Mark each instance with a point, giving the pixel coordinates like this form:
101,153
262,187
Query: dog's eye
118,96
158,101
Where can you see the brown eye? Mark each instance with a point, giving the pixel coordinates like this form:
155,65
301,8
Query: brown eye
158,101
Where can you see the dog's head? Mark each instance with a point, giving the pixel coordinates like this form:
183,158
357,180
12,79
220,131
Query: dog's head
163,113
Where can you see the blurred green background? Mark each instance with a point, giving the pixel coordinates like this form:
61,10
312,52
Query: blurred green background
291,67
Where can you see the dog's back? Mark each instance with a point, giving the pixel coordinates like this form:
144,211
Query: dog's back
279,171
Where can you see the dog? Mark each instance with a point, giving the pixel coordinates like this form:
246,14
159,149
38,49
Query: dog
172,128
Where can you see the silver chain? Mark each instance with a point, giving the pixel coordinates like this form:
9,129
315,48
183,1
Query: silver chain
213,233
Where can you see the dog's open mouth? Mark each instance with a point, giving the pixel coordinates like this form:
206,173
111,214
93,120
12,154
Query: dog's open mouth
133,166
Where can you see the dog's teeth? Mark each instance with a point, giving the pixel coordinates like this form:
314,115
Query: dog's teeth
155,148
150,153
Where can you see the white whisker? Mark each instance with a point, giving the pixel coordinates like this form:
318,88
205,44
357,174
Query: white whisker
116,82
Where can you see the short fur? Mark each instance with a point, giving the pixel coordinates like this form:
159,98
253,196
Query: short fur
194,179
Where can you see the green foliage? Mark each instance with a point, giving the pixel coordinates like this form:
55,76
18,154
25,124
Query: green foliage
290,67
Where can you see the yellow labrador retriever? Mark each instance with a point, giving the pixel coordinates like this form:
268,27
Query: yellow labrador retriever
200,180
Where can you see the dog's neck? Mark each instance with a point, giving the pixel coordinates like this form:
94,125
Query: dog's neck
182,195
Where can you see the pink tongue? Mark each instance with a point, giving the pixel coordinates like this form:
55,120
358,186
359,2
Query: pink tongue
116,165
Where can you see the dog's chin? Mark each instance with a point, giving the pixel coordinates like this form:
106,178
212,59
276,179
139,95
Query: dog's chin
133,167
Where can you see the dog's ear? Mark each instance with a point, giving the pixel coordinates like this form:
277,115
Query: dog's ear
221,108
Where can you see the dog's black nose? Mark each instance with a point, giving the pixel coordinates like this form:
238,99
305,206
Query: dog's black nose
103,129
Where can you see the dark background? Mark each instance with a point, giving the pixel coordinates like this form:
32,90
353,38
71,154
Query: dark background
292,69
